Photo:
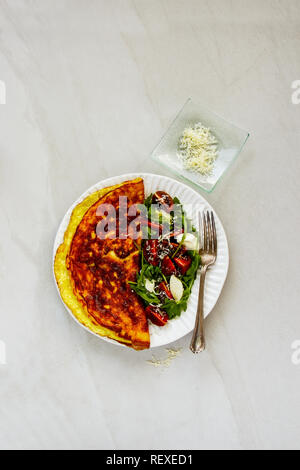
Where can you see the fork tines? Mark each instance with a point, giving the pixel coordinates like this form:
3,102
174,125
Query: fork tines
209,232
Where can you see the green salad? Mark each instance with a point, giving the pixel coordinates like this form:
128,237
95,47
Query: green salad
169,259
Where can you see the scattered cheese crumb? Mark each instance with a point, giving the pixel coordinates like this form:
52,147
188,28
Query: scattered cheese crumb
172,353
198,149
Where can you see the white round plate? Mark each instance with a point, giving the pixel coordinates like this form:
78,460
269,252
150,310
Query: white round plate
216,276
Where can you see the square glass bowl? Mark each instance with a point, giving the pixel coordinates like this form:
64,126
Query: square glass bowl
231,140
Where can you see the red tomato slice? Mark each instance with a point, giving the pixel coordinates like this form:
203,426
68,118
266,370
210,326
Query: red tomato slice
150,252
163,287
157,316
164,200
167,266
183,262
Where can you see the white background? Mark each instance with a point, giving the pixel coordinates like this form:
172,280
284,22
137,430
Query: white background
91,86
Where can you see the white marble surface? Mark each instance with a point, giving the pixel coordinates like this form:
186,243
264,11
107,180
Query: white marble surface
91,86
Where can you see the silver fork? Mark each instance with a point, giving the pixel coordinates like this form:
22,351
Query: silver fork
208,257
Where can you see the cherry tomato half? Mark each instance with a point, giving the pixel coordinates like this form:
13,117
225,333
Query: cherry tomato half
150,252
156,315
164,200
183,262
167,266
163,287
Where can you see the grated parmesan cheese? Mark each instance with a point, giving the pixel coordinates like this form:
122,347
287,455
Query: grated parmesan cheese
172,354
198,149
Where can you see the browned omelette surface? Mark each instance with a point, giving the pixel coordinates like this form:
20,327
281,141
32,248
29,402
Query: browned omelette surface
99,272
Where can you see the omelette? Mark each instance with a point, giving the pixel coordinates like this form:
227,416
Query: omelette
93,272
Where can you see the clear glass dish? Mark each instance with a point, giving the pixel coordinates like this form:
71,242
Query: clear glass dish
231,140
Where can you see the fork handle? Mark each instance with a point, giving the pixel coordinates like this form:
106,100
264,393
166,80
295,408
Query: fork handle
198,340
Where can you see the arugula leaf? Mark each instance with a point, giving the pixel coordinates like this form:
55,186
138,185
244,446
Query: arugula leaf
176,200
173,308
147,272
180,245
148,201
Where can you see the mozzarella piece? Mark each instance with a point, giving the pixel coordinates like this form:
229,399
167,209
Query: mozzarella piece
190,241
150,285
176,288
